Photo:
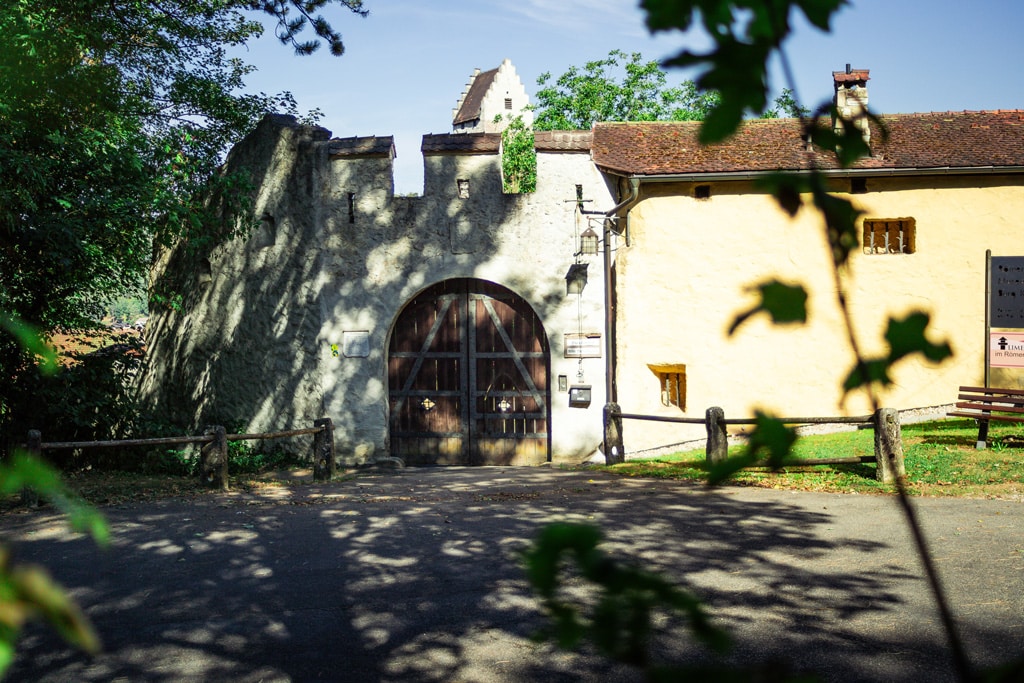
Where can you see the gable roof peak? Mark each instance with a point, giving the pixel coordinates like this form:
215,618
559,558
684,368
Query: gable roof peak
495,93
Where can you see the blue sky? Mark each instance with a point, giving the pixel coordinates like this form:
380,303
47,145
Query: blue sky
407,63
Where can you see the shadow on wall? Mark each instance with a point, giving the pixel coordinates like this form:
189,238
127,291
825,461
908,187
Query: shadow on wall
250,343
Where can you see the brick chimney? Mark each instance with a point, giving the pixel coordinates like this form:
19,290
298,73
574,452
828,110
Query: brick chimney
851,99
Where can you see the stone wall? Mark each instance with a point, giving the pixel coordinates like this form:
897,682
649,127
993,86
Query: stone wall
255,342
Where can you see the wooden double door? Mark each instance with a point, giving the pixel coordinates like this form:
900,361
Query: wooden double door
468,378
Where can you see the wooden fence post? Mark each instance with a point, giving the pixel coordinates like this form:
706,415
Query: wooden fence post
213,459
888,446
34,446
718,439
324,467
613,449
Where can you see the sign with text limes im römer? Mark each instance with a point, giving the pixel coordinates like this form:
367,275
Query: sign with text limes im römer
1006,349
1006,304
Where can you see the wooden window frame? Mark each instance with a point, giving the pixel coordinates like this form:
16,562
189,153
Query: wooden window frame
889,236
671,383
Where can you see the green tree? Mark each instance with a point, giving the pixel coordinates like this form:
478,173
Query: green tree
518,158
114,116
620,87
627,88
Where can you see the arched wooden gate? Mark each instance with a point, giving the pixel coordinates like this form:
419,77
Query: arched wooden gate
468,378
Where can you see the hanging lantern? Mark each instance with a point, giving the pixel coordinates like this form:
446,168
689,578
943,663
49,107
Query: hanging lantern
588,242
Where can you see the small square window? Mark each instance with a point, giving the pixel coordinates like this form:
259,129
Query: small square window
702,192
890,236
858,185
671,383
463,185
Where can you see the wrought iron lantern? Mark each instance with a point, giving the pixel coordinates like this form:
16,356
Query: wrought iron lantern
589,242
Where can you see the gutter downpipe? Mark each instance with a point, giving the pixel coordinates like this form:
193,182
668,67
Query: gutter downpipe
613,449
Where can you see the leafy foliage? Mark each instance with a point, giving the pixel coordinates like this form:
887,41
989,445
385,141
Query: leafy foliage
627,88
26,591
518,158
619,88
905,337
619,624
770,437
745,33
114,116
89,399
288,29
783,303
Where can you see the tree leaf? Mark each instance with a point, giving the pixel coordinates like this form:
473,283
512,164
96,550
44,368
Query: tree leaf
784,304
907,336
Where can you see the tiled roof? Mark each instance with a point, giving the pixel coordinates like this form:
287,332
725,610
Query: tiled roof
916,141
470,108
372,146
461,143
562,140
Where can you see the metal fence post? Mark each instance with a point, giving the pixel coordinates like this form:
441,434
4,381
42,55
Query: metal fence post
324,466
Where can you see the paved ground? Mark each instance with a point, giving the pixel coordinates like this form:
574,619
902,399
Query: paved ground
413,576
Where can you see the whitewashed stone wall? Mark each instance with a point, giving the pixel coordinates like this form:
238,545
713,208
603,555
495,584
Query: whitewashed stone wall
251,345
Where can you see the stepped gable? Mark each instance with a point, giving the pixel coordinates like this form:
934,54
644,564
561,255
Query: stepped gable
469,106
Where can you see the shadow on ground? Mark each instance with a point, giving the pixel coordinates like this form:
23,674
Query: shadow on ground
414,576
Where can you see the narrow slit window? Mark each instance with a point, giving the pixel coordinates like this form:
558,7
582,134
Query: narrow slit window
508,103
351,207
671,384
890,236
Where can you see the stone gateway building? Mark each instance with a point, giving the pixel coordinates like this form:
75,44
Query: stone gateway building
469,326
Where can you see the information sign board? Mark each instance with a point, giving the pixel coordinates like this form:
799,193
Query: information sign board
1006,299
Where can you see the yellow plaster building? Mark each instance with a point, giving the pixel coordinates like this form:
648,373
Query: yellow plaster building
937,191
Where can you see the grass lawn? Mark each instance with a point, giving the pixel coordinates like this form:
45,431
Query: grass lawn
940,460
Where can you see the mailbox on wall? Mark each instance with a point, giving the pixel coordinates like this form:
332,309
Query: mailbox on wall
579,396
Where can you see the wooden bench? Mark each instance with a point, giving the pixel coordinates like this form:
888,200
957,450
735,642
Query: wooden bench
989,403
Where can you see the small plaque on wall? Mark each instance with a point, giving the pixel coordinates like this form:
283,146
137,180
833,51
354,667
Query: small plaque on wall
355,344
586,345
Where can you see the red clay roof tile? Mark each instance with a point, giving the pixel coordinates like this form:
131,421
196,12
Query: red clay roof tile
915,141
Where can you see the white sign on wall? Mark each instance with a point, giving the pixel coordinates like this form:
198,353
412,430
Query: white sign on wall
1006,349
586,345
355,344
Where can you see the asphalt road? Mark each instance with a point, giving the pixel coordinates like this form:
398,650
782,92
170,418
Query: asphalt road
414,576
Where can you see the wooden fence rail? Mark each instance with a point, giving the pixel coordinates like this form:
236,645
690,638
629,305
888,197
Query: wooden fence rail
886,423
213,461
